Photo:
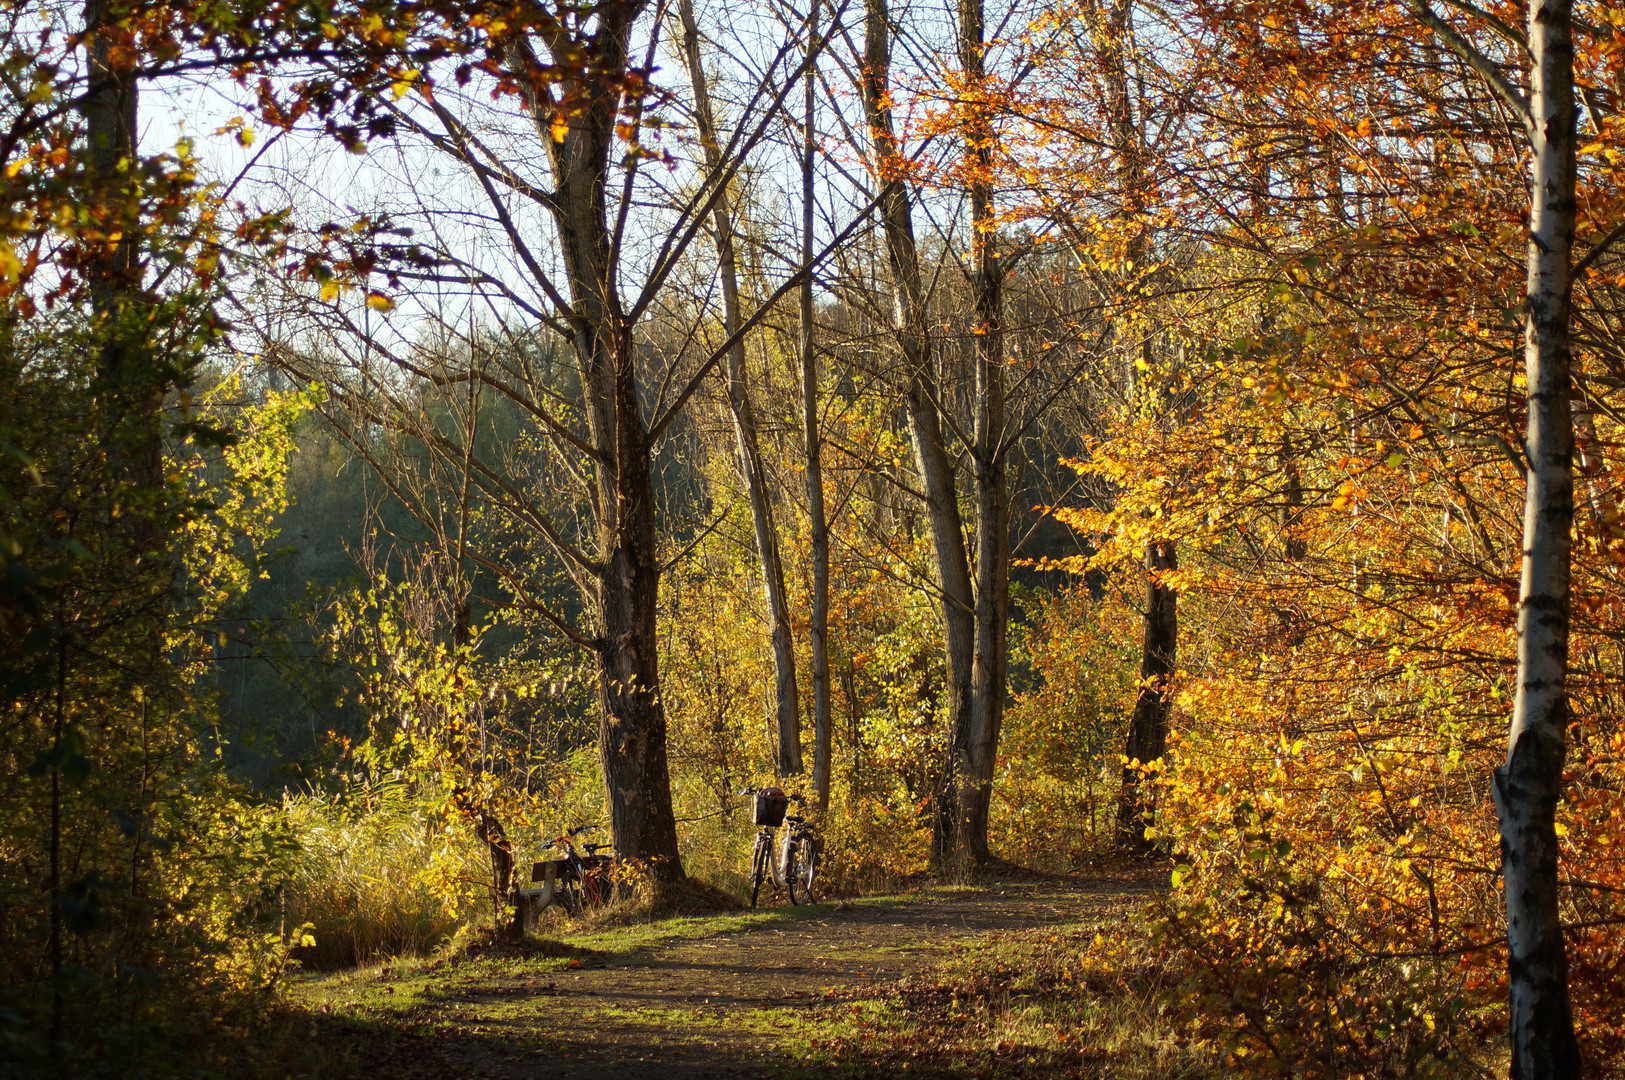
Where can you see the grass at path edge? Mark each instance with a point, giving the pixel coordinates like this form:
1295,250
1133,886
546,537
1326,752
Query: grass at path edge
1001,1004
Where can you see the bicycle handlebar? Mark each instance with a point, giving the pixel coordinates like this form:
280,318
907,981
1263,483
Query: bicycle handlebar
577,831
753,790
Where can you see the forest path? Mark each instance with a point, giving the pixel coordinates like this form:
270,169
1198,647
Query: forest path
732,995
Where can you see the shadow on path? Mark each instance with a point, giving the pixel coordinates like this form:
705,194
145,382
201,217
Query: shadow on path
725,1005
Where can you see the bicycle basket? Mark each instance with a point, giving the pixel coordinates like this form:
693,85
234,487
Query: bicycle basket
771,803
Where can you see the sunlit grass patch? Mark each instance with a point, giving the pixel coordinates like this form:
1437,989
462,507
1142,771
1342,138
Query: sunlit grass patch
1082,999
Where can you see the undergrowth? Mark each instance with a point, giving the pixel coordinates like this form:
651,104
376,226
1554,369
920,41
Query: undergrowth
378,883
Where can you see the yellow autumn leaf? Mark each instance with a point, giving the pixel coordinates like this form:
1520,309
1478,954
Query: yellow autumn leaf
11,267
330,291
559,128
379,302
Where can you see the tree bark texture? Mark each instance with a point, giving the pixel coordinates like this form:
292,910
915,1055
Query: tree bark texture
632,732
818,524
133,385
1117,45
1528,786
626,577
925,422
1148,729
110,132
786,699
980,741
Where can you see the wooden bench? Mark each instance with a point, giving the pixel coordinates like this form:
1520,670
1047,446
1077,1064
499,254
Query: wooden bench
532,902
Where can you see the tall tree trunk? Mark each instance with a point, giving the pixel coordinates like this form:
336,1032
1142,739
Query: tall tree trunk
1294,627
786,700
925,423
980,743
1528,786
626,580
1148,730
110,131
132,388
818,630
632,733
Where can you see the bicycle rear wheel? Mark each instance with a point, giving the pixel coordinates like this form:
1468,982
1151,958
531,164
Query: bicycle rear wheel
803,870
810,886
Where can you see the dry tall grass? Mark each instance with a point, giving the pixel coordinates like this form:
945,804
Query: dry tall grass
379,881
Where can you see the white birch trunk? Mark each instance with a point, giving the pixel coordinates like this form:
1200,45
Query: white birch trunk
1528,786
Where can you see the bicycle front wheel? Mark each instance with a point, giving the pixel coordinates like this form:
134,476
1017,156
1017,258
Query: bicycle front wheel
759,858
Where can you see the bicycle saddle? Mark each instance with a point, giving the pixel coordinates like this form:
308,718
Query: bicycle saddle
794,818
590,848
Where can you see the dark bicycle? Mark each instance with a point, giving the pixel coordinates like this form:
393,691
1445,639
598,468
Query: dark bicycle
581,878
795,866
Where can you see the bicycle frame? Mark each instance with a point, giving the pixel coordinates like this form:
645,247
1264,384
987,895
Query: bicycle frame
771,856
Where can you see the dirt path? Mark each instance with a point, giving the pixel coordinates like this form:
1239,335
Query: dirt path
731,996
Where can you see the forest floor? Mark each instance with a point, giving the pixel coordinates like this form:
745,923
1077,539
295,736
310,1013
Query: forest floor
975,981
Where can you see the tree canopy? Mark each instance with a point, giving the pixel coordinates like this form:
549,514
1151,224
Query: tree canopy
1180,435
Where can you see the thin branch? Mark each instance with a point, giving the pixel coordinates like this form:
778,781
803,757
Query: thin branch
696,213
1505,30
1597,249
761,313
708,530
1476,60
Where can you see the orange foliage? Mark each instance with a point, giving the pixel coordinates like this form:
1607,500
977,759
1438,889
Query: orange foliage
1335,446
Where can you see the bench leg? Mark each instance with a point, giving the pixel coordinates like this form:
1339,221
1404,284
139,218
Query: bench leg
532,902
